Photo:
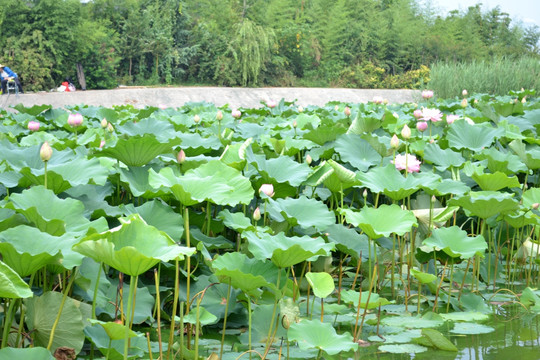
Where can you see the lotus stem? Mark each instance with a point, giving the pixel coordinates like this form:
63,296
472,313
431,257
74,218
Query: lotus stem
197,325
463,280
150,347
55,324
94,299
175,304
158,315
45,175
129,320
450,287
358,265
208,217
356,333
23,311
375,271
249,325
322,310
225,319
8,318
188,259
439,287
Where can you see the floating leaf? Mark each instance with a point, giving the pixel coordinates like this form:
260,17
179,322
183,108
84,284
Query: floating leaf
322,336
402,348
433,338
471,328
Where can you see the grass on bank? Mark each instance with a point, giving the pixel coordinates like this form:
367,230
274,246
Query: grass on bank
496,77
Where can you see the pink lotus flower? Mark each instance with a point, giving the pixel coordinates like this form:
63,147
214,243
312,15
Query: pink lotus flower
417,113
427,94
378,99
267,189
33,126
271,104
162,106
75,119
434,115
181,157
236,114
421,126
451,118
408,162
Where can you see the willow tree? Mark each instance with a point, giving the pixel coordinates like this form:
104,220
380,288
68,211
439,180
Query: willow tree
251,48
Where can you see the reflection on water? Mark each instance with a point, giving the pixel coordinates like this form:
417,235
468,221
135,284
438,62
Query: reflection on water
516,337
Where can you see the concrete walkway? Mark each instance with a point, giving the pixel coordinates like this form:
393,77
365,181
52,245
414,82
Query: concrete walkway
178,96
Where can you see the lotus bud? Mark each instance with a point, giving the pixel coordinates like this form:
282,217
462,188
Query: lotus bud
395,114
469,121
417,113
104,123
257,214
75,119
101,144
394,142
524,100
336,108
162,106
219,115
427,94
271,104
475,101
300,109
294,124
464,93
364,194
378,99
236,114
110,128
432,141
33,126
535,206
433,199
309,159
464,103
385,101
267,189
347,111
181,157
45,152
451,118
406,132
421,126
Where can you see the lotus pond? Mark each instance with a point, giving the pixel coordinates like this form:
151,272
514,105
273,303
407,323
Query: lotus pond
369,231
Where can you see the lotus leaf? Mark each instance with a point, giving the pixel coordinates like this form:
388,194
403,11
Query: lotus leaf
322,336
301,211
127,248
322,283
473,137
11,284
495,181
357,151
455,244
367,301
485,204
375,221
36,353
444,159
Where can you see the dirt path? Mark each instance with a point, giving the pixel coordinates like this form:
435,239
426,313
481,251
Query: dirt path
178,96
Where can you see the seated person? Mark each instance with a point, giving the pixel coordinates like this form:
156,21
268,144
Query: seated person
6,75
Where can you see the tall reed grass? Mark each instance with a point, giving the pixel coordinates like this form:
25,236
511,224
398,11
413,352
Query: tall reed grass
496,76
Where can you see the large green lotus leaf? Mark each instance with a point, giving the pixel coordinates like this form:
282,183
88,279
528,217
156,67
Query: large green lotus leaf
445,187
93,198
366,301
364,124
114,349
38,138
282,169
245,274
234,155
161,216
324,134
473,137
11,284
201,144
455,243
428,320
163,131
9,218
392,183
235,220
26,249
128,249
495,181
530,155
422,277
169,179
36,353
138,150
471,329
343,175
137,179
485,204
505,162
114,330
41,313
382,221
322,283
522,218
285,251
402,349
51,214
205,317
530,197
444,159
34,110
349,241
302,211
357,151
315,334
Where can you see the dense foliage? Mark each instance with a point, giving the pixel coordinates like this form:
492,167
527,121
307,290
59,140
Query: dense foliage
348,43
331,232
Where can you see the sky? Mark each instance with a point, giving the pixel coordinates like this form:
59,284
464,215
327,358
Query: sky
526,11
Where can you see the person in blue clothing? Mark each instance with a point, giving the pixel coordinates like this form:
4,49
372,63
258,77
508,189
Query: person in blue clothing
6,74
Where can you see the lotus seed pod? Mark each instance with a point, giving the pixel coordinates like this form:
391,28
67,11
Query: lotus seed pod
45,152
